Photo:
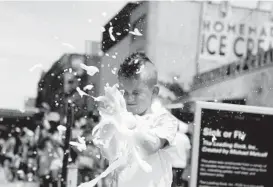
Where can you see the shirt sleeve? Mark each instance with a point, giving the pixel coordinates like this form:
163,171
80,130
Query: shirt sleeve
166,127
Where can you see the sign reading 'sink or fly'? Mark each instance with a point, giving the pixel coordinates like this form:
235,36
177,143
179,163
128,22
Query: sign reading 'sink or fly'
233,146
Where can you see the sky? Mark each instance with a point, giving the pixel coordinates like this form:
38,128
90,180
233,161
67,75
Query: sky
36,34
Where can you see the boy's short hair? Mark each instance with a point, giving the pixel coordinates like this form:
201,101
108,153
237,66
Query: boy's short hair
132,67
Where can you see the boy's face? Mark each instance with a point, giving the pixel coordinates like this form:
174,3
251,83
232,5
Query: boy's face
137,94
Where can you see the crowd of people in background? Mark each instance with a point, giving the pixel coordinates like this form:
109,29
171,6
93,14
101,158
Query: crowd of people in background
37,156
18,154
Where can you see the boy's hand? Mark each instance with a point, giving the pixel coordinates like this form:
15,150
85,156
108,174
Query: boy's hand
112,103
149,142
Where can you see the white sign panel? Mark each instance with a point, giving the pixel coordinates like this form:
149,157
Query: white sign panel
226,39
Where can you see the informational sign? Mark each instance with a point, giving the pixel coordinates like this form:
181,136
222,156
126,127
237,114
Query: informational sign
232,146
227,39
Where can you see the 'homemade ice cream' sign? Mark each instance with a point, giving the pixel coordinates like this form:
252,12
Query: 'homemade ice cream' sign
223,38
227,39
232,146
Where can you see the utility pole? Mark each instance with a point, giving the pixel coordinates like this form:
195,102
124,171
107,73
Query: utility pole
70,122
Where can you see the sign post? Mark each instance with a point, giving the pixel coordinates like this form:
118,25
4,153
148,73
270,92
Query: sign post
70,121
232,146
72,176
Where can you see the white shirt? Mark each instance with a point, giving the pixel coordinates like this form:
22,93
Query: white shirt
165,126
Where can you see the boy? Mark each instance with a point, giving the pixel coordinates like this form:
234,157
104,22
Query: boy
137,78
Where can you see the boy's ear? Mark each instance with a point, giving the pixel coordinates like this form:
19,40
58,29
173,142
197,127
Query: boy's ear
156,91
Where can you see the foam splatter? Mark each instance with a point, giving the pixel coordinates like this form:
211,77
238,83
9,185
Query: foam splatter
91,70
102,29
79,146
115,112
68,45
135,32
82,93
140,69
114,71
35,67
104,14
127,129
111,34
88,87
61,128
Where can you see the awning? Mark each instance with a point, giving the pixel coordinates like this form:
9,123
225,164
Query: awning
15,113
233,88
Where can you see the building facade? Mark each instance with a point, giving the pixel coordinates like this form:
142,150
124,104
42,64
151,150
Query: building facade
59,84
187,40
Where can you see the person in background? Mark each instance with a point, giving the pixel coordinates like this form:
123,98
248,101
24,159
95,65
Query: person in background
56,155
50,159
12,151
44,162
181,167
89,161
2,144
8,155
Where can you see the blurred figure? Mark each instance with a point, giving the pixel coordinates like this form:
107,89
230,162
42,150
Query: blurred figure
12,152
44,162
2,144
57,154
90,163
50,159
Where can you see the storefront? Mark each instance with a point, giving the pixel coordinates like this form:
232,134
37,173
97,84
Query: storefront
232,64
184,49
59,84
247,80
149,27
